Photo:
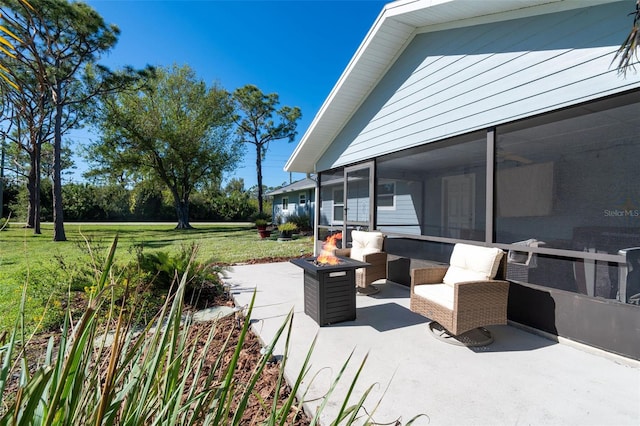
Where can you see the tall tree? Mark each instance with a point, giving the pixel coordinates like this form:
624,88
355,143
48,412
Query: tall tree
7,85
174,130
29,130
61,42
259,123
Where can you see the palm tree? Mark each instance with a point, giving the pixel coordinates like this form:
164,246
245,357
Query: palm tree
629,49
6,48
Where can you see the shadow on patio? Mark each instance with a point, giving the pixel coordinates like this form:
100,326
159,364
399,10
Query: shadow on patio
521,378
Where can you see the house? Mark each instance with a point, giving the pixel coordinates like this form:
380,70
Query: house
297,198
497,123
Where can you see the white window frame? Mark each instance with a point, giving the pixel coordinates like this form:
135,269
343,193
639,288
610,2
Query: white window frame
392,207
341,204
285,204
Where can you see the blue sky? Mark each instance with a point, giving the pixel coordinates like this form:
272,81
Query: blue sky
297,49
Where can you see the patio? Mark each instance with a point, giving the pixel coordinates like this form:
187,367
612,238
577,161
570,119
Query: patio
521,378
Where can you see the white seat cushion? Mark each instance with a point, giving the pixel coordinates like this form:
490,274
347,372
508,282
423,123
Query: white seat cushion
472,263
442,294
456,274
359,253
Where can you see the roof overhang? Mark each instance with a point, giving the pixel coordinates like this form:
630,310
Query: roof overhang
395,27
301,185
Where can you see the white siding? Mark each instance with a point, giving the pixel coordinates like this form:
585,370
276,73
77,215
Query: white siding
455,81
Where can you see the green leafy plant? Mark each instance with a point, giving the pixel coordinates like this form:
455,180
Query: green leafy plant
302,221
264,216
158,376
287,227
261,223
162,268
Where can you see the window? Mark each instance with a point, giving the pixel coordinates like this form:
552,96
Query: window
302,200
435,190
386,195
285,203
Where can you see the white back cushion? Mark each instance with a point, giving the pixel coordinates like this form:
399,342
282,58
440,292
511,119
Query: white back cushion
364,239
363,243
455,274
472,263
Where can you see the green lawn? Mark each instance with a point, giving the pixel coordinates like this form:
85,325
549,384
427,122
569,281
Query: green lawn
46,265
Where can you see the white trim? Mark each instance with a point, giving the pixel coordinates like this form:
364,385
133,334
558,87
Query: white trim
393,196
334,204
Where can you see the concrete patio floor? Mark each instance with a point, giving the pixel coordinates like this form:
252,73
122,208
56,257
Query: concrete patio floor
520,379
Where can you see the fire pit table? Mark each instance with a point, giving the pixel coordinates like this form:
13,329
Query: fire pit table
330,290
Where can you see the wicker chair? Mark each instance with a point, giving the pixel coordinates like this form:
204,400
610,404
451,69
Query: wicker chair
463,296
367,247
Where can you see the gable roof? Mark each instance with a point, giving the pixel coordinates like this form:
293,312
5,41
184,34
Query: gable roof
301,185
395,27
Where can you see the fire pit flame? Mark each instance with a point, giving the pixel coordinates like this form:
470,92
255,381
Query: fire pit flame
326,256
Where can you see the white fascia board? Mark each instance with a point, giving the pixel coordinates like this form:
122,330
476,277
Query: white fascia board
304,156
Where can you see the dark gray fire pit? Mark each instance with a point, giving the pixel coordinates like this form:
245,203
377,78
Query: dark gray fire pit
330,290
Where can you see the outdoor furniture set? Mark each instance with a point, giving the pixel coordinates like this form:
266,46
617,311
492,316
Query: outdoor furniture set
460,298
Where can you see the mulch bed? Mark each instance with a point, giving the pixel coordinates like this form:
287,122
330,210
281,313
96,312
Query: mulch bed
249,356
255,412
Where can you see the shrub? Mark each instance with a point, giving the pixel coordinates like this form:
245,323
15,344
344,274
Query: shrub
149,379
287,227
161,269
264,215
303,221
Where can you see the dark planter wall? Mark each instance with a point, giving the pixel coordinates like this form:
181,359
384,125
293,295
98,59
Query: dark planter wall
602,323
598,322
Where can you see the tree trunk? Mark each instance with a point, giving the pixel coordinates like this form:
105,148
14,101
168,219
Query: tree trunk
33,188
182,210
31,183
259,171
58,220
37,186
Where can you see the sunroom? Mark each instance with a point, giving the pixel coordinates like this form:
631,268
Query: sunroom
501,124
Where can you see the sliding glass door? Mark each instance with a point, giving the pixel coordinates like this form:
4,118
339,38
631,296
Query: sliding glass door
346,201
358,200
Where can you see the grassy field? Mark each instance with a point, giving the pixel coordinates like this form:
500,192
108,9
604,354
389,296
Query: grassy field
47,266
